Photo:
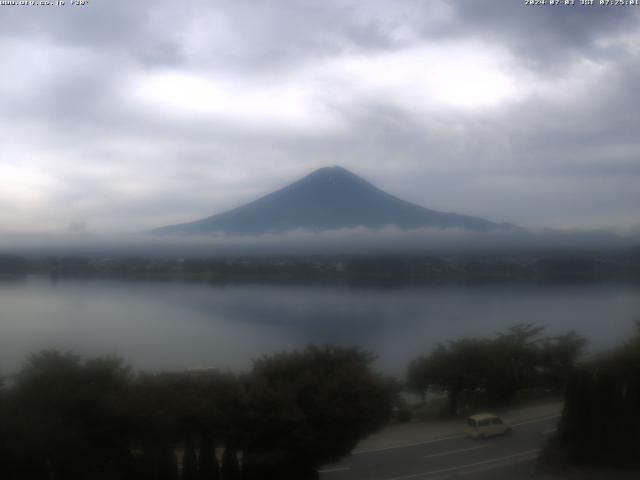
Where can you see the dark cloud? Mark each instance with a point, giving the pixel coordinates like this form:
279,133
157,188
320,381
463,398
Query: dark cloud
546,35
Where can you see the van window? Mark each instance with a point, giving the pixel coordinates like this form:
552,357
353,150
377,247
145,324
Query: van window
496,421
484,423
471,422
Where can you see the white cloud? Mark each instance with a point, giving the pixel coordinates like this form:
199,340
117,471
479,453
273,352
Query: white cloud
250,102
427,77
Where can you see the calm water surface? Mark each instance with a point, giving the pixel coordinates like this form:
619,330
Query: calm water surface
173,325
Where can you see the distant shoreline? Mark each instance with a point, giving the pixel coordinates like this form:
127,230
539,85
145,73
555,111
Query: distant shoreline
399,270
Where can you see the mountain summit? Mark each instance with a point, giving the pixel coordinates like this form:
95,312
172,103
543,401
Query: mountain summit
328,199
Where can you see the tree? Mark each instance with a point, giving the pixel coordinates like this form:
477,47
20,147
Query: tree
190,409
474,371
600,423
462,366
5,454
517,353
190,460
69,418
92,419
230,467
311,407
208,468
559,357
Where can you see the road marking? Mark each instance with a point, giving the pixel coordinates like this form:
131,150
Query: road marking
332,470
452,436
468,465
451,452
551,430
406,445
536,420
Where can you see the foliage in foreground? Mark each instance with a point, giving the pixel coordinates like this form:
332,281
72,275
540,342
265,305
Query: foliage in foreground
478,372
67,418
600,424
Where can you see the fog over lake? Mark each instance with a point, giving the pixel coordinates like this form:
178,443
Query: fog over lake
174,325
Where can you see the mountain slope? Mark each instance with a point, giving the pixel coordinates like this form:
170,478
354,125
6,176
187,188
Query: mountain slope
327,199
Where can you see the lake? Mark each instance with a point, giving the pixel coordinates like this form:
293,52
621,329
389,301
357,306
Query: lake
157,325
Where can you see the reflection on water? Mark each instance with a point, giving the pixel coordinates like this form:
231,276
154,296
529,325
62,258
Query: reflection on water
171,325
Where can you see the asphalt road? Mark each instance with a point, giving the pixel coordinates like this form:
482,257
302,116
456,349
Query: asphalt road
445,458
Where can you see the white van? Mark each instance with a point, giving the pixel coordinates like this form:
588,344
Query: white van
486,425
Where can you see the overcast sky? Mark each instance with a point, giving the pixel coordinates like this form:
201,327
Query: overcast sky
122,115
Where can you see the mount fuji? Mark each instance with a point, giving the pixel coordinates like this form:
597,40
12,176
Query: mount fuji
327,199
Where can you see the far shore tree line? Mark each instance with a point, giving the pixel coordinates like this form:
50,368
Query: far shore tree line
64,417
357,269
